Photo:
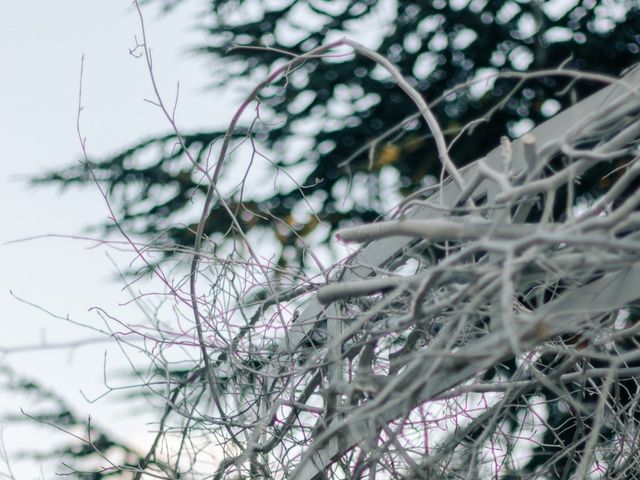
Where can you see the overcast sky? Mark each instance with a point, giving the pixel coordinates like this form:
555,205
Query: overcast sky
41,44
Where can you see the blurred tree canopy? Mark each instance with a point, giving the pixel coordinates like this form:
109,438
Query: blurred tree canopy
341,121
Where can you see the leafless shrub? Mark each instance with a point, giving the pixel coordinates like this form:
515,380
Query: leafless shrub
486,328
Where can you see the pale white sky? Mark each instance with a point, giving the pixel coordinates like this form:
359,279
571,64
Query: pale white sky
41,44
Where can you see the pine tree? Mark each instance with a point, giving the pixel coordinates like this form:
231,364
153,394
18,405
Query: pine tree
346,126
342,123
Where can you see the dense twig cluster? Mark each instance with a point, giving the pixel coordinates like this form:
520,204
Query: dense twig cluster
487,328
452,345
520,304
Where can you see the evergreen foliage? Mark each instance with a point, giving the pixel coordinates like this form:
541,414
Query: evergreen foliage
342,123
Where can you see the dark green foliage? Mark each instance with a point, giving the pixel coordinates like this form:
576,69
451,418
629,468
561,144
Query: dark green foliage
154,199
83,443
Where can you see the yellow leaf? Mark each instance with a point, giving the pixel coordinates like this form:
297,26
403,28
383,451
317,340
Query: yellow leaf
388,153
310,226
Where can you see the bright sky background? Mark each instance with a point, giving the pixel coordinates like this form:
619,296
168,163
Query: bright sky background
41,44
